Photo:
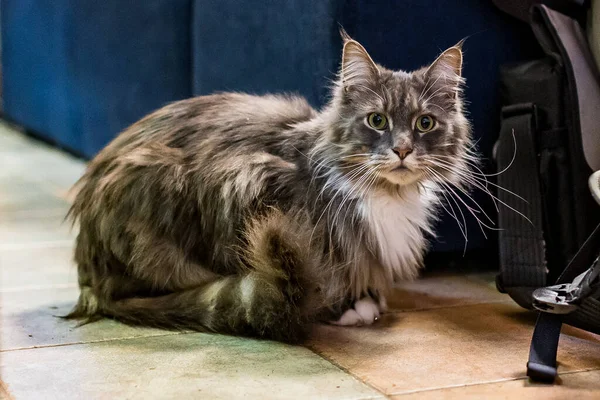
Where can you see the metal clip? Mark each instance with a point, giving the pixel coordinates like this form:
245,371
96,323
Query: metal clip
566,297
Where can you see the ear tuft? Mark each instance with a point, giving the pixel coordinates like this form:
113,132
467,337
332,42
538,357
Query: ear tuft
460,44
344,35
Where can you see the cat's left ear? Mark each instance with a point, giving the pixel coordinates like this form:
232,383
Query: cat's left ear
447,68
357,66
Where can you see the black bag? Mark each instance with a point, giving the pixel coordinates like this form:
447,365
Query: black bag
548,148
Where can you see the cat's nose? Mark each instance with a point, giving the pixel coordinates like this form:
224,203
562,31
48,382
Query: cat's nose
402,152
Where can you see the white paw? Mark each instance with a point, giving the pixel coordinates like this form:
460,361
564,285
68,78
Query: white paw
368,309
365,312
349,318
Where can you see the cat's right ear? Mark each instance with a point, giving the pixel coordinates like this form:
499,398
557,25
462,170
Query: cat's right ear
357,66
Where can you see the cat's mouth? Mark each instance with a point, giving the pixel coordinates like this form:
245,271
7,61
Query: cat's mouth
402,174
401,167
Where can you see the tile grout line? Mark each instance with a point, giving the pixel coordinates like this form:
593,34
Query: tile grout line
93,342
379,395
329,360
520,378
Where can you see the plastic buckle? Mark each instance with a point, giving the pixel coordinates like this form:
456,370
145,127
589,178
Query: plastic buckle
540,372
566,297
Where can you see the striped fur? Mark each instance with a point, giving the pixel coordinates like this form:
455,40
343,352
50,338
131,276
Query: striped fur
255,215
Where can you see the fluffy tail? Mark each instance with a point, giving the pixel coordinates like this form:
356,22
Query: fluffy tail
265,301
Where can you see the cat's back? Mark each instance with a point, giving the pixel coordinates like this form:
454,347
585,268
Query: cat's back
188,133
220,118
205,135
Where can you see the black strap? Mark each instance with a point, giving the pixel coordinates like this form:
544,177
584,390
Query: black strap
522,256
542,354
587,316
541,366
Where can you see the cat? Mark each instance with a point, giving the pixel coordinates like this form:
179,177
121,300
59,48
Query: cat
258,215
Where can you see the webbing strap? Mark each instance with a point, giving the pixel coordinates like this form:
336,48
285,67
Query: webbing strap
522,257
542,354
587,316
544,344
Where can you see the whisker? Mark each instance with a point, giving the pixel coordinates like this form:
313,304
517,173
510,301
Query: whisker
496,199
451,213
356,192
435,105
509,207
469,208
464,224
350,176
431,96
351,191
371,90
511,161
466,176
425,91
481,179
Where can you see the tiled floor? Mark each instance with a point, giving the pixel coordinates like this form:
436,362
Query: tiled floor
448,336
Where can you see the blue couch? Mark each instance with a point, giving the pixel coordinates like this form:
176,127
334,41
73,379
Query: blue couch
78,72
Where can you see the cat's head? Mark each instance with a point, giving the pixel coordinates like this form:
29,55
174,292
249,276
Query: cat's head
404,127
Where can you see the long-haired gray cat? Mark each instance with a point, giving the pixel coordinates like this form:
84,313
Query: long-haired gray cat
255,215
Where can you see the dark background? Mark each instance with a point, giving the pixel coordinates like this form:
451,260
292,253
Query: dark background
78,72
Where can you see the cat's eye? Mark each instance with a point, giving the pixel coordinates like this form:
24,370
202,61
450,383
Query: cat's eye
425,123
377,121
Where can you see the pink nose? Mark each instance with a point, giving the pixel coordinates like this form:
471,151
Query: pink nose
402,152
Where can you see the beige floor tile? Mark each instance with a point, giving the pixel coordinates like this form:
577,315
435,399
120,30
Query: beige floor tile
177,367
443,290
580,385
29,320
32,268
446,346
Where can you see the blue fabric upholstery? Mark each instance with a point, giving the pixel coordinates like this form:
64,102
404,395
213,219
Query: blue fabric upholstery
78,72
295,46
265,46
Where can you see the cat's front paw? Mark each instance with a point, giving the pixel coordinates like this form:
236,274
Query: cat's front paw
364,312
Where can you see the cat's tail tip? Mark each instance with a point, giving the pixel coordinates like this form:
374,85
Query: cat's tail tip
87,308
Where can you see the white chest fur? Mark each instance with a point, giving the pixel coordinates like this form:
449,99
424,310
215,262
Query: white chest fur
397,225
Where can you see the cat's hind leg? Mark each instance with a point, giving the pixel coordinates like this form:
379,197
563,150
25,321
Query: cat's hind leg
264,300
